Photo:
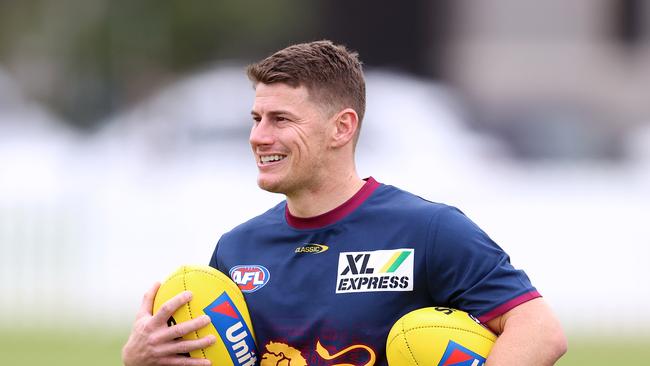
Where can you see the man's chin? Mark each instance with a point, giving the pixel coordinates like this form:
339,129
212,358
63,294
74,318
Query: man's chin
269,185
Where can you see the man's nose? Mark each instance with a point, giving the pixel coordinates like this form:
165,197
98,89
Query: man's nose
261,133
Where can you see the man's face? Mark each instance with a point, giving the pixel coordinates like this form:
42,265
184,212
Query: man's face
289,138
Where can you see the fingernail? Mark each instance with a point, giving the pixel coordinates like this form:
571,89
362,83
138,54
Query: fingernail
212,338
188,295
206,319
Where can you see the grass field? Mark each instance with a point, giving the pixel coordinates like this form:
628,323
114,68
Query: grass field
97,348
601,351
67,347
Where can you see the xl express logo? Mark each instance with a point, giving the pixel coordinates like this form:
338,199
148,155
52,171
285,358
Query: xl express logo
380,270
250,278
235,334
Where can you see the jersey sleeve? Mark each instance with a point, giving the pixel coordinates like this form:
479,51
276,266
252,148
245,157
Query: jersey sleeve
214,260
468,271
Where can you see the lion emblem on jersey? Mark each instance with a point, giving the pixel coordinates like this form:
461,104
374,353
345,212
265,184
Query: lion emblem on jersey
281,354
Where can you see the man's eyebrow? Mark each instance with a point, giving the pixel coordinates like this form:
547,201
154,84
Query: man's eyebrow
275,113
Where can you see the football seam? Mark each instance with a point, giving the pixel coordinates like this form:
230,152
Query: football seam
189,309
408,345
448,327
228,283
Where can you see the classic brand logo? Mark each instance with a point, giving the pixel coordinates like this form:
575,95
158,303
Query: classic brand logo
232,329
380,270
457,355
312,248
250,278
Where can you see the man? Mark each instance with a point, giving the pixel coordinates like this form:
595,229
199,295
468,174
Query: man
343,258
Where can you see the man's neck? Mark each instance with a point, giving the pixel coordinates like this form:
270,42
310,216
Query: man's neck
324,198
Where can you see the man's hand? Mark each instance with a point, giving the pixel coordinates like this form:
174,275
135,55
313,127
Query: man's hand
152,342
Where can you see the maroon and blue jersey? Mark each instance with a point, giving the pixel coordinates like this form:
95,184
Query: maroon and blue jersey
326,290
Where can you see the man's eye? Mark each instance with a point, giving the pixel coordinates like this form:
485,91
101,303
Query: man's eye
280,119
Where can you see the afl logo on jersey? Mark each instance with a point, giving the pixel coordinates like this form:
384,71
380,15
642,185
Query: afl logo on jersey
250,278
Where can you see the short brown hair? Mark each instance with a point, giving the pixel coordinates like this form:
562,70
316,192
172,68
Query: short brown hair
330,72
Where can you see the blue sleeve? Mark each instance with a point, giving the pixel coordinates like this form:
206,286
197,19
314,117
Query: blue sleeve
468,271
214,261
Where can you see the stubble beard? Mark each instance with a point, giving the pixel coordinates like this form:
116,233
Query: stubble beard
281,185
288,185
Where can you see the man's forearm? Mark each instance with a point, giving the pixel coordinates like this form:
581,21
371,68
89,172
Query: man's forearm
530,335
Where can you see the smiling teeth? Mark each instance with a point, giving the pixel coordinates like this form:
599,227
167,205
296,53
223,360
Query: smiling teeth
271,158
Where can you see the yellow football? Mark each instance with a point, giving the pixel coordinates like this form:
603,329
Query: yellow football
438,336
217,296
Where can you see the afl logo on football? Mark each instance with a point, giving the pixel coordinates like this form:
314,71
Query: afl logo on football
250,278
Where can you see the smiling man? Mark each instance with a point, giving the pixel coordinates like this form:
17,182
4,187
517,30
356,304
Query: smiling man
327,272
302,150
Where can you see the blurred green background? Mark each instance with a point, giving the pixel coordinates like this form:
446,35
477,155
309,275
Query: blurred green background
96,173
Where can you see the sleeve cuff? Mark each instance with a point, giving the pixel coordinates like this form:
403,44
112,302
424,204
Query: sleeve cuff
507,306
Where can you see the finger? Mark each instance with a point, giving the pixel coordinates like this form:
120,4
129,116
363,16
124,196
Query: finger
187,346
170,306
185,361
183,328
147,300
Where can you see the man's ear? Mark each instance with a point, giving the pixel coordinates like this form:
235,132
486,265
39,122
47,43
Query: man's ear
346,124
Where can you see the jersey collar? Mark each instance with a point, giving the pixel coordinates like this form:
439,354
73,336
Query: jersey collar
338,213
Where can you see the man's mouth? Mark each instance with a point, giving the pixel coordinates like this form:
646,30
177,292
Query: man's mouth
266,159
